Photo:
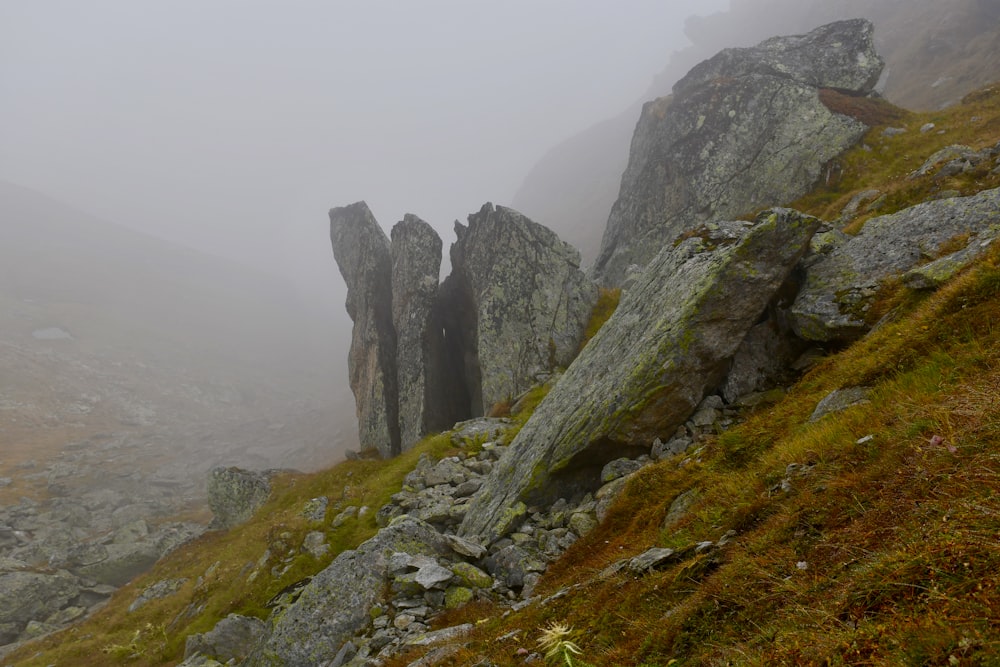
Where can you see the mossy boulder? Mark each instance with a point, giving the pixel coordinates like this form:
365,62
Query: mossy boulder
456,596
644,373
471,576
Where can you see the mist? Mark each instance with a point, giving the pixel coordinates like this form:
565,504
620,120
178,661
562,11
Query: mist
232,126
165,173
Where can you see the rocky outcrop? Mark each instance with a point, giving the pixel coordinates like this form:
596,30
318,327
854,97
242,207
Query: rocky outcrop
743,130
514,308
528,299
62,558
363,254
337,602
840,285
416,265
651,364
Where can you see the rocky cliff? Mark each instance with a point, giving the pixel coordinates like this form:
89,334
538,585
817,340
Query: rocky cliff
425,356
743,130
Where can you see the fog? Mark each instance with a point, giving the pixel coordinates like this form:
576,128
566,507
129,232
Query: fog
165,172
232,126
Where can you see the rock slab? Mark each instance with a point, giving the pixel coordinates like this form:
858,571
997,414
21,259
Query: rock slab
363,254
650,366
840,284
416,264
529,299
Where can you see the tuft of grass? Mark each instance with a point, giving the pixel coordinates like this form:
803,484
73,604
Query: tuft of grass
885,162
607,303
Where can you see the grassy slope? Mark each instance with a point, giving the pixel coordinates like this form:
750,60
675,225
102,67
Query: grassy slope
899,535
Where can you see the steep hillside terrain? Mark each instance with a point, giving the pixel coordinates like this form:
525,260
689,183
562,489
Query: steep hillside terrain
935,51
865,536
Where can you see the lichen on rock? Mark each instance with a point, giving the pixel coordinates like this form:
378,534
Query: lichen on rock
743,130
648,368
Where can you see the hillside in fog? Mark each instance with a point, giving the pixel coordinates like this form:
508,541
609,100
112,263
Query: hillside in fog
107,331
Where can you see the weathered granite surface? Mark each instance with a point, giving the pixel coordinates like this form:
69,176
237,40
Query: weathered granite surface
649,367
743,130
363,254
530,301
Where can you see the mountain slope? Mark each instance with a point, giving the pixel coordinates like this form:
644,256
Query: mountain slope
864,537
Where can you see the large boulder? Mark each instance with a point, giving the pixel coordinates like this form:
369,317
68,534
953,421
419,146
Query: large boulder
644,373
840,285
523,303
363,254
743,130
336,604
235,494
416,265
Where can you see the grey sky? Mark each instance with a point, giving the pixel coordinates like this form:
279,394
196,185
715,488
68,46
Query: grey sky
233,125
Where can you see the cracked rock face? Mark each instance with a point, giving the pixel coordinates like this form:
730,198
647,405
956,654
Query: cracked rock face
644,373
363,254
527,301
743,130
416,264
424,356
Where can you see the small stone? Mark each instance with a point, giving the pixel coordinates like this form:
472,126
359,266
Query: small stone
839,400
619,468
582,523
927,127
433,576
802,565
403,621
456,596
471,576
651,559
465,547
315,509
344,516
315,544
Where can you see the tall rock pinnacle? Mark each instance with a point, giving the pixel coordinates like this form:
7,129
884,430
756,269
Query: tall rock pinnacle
363,255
